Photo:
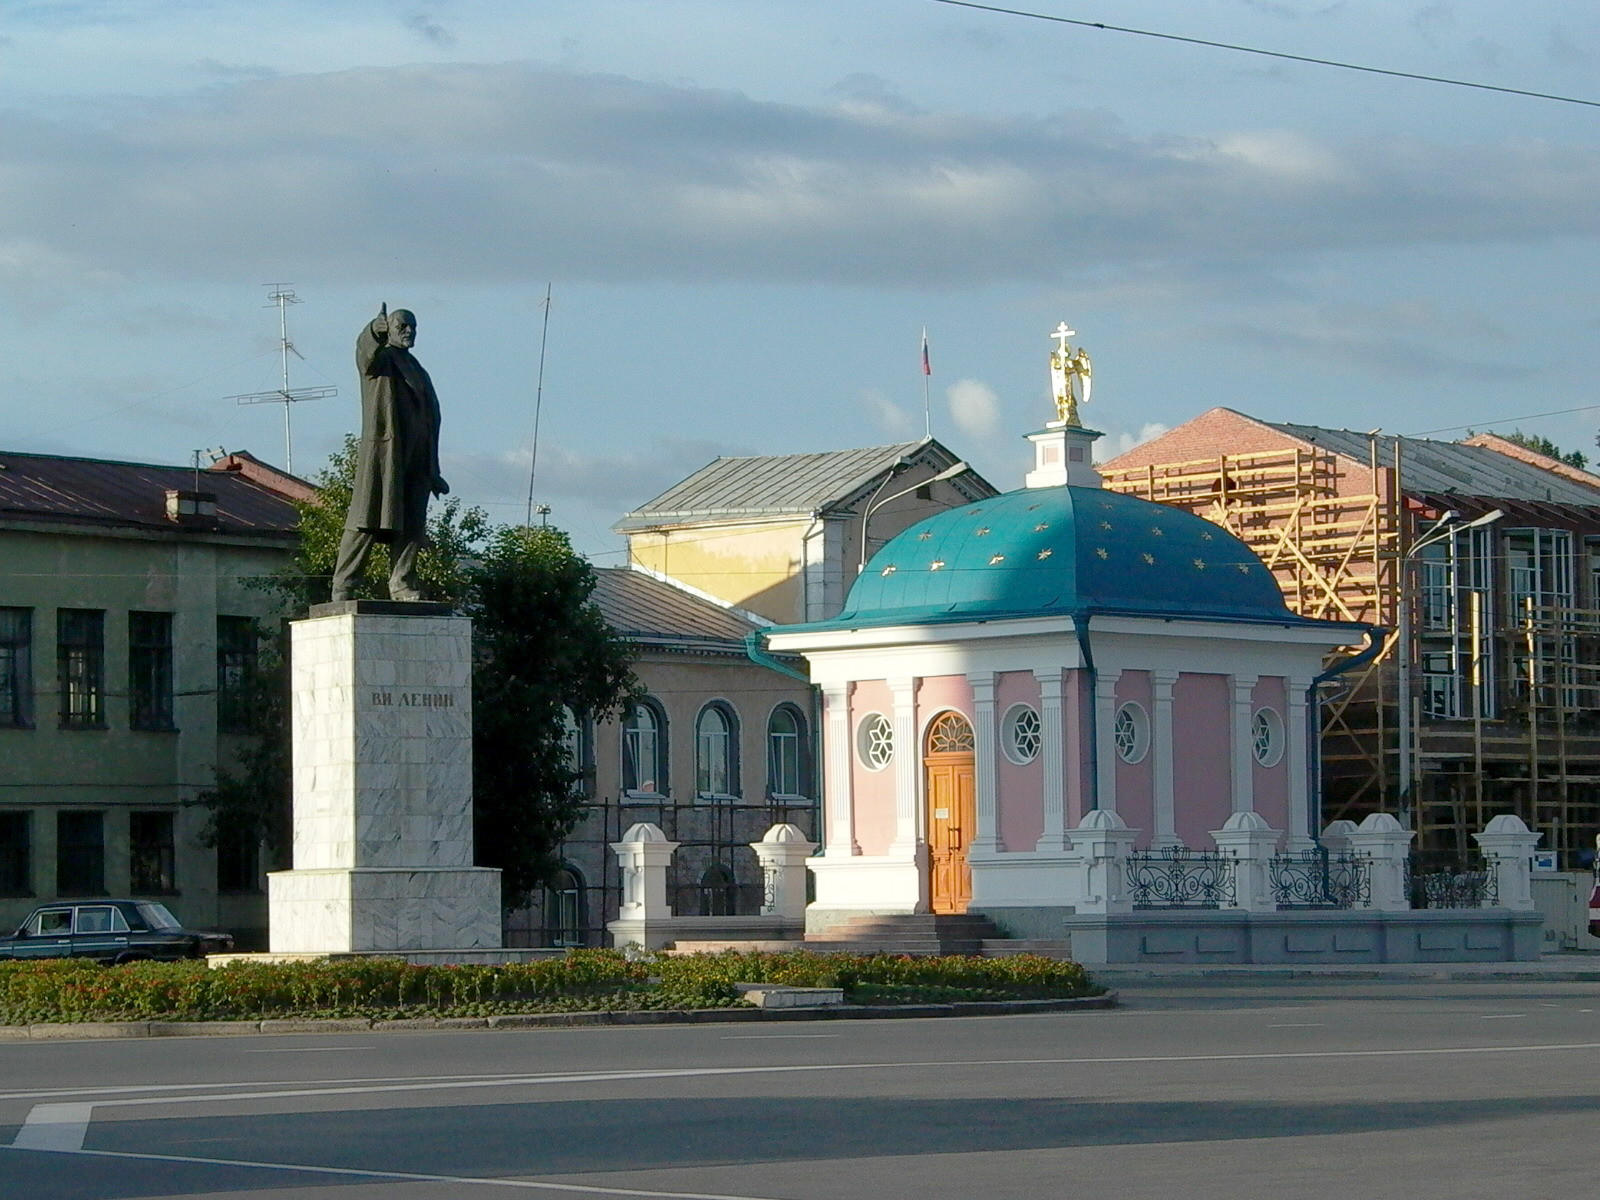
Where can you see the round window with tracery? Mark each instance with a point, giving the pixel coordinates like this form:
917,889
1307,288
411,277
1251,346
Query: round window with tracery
875,741
1266,735
1131,733
1021,734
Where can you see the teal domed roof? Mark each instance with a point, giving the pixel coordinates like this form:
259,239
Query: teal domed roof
1068,550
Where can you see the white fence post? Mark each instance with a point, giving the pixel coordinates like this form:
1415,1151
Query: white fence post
1386,846
1250,842
644,854
782,852
1508,843
1335,837
1098,863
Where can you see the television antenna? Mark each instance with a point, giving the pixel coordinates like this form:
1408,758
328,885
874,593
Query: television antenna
281,297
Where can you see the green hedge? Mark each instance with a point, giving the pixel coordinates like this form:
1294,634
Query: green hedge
68,990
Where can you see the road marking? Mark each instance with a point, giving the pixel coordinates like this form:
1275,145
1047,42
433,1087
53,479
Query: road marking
255,1083
55,1127
306,1049
293,1093
1501,1016
409,1177
1298,1025
772,1037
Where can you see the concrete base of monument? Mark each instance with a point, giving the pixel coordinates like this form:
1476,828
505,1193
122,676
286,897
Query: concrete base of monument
338,910
421,958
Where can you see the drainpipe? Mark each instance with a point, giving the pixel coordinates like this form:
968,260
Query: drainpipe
1373,648
1080,626
754,651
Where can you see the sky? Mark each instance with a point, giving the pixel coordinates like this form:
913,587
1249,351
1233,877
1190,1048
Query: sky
746,212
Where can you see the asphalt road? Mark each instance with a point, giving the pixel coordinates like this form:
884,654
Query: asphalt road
1348,1089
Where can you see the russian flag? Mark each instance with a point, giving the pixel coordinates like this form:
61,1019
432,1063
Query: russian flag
927,368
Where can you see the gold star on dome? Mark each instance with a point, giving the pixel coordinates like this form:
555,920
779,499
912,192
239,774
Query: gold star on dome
1045,553
1105,524
889,570
1101,552
1041,526
1205,537
1032,507
1199,564
1244,568
924,535
1149,558
998,558
974,511
983,531
1157,531
936,564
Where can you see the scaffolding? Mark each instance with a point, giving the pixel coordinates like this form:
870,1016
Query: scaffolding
1512,726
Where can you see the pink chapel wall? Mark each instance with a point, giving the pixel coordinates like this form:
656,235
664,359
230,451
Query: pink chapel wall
936,693
1202,751
1136,781
1019,795
874,790
1270,785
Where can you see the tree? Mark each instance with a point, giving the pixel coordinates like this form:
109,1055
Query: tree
540,647
1544,446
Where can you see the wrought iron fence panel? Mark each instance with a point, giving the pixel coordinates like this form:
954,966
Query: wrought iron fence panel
1316,879
1435,881
1176,877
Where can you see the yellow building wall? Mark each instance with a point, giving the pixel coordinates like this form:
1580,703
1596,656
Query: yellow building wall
757,566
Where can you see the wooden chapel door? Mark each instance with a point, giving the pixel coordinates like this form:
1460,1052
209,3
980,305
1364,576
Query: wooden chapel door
952,811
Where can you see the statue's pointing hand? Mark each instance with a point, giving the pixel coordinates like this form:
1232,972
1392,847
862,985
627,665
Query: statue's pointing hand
440,487
380,324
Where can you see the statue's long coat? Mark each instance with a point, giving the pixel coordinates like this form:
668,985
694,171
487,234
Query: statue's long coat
399,457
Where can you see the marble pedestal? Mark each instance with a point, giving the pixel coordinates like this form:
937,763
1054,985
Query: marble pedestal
382,723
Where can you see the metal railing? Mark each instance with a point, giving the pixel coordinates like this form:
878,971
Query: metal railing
1317,879
1176,877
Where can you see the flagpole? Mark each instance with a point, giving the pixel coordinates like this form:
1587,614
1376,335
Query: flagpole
927,378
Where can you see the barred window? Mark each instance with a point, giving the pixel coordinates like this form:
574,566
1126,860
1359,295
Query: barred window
150,670
80,853
563,909
236,673
81,667
716,752
16,667
151,853
1022,733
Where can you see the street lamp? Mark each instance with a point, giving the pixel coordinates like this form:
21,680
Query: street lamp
950,472
1445,527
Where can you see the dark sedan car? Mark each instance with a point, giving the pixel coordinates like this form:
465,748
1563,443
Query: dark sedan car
109,931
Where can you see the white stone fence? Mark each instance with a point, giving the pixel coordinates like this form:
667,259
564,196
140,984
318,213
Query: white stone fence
646,919
1365,866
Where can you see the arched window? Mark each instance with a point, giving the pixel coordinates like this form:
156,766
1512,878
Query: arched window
716,758
719,893
644,750
563,909
788,753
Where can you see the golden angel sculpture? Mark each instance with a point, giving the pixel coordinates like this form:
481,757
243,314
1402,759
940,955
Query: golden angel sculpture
1069,377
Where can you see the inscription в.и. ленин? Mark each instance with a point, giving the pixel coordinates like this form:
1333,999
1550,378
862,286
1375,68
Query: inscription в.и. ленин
413,700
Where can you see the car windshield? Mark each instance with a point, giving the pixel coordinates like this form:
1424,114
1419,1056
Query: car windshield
157,916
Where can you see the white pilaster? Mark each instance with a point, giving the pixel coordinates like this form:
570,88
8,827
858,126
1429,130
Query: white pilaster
1051,733
1244,757
986,838
839,836
1166,831
1298,763
907,765
1105,719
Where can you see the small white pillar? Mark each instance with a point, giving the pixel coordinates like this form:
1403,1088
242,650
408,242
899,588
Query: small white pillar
644,854
1508,844
1250,842
1335,837
1052,758
986,784
838,831
782,853
1385,845
1097,863
1166,831
907,768
1244,745
1105,716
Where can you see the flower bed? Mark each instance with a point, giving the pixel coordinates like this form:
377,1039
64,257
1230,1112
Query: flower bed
583,980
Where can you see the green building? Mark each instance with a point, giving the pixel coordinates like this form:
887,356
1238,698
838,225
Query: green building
128,631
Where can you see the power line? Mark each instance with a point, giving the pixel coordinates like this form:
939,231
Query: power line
1559,412
1320,62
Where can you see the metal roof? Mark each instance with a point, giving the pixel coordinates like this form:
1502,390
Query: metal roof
1428,466
784,484
88,491
646,609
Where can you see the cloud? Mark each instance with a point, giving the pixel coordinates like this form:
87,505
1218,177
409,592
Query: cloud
892,419
458,173
974,407
429,29
613,482
1113,444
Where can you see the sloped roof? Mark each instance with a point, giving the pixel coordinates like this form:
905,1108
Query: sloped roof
88,491
646,609
783,484
1428,466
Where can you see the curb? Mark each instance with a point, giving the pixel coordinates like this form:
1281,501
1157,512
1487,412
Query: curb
1246,974
101,1030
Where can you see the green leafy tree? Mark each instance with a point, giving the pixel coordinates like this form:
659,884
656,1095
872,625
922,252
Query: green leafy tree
1544,446
540,648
